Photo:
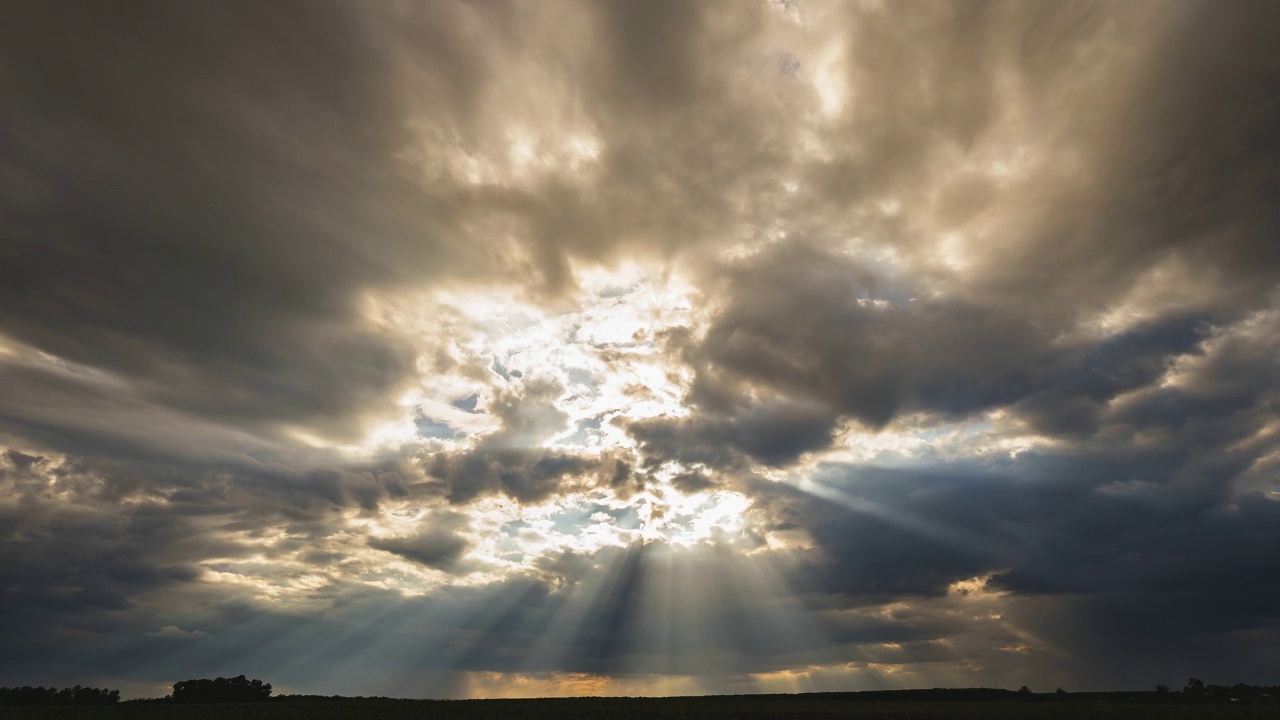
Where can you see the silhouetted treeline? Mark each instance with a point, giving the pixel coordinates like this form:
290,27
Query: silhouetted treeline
36,696
220,690
1197,691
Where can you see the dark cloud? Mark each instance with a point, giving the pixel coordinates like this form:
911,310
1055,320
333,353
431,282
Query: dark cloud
1184,165
436,548
774,434
512,460
692,482
68,566
176,220
823,327
1110,530
834,338
22,461
527,474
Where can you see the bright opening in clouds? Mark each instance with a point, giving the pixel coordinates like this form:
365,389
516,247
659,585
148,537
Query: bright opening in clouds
562,348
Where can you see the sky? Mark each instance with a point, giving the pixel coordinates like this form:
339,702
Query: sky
480,349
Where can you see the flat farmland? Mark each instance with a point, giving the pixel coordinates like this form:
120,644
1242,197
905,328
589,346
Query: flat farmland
774,707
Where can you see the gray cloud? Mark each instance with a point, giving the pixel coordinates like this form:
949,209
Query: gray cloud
833,338
168,227
774,434
436,548
512,460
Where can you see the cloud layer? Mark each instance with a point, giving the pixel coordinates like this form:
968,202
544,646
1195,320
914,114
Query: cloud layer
565,347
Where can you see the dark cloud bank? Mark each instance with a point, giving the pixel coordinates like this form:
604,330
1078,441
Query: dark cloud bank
196,199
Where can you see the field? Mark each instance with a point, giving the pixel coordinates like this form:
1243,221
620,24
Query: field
771,707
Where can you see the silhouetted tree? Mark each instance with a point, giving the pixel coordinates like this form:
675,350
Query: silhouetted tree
1218,693
1194,688
77,696
221,690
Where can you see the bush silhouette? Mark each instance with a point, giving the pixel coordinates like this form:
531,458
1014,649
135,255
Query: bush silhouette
221,690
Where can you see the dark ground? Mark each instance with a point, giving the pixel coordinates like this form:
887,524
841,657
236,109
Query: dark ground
749,707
